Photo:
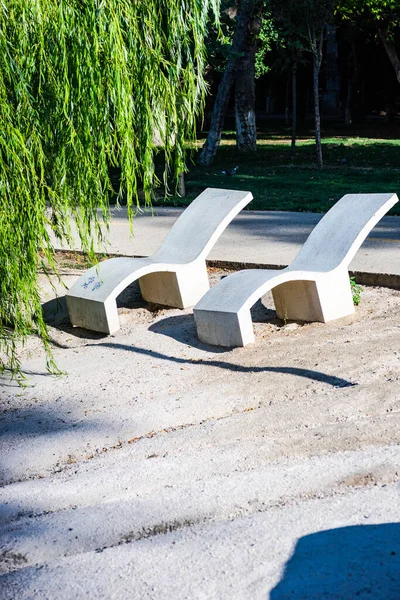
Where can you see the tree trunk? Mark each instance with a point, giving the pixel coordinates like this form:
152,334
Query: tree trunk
181,185
245,91
211,144
317,60
245,87
318,145
391,52
245,115
240,42
294,106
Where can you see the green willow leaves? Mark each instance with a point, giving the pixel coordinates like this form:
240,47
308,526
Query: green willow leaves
84,87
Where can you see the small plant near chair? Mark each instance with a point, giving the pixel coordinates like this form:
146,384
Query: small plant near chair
356,291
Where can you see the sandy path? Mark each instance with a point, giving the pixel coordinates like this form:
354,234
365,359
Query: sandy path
195,473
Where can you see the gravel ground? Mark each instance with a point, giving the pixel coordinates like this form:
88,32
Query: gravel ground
160,467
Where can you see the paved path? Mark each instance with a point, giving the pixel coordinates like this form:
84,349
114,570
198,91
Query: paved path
262,238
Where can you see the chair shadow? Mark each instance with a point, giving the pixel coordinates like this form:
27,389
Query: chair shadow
55,310
332,380
261,314
182,328
361,561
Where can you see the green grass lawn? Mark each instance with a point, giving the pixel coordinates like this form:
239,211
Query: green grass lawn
280,182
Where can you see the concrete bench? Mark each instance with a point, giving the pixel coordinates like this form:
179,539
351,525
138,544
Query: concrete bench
175,275
315,287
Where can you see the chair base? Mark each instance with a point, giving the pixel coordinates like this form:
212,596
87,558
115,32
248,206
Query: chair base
326,299
180,289
227,329
93,315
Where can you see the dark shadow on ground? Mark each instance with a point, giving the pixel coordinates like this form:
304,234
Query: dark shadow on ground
55,310
262,314
7,379
36,421
360,562
20,427
182,328
298,372
131,297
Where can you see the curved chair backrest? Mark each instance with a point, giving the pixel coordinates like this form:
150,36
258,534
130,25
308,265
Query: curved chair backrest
340,233
200,225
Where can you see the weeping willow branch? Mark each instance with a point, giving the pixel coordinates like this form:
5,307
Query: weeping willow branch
84,86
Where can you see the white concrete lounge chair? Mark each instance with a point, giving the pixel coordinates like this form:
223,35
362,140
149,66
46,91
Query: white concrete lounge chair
315,287
175,275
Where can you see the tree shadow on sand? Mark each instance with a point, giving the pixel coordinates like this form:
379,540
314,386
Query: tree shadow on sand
360,562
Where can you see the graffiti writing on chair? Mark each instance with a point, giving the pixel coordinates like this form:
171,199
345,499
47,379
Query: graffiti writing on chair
92,281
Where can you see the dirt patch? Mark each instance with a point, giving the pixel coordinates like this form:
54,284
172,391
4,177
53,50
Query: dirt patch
9,561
